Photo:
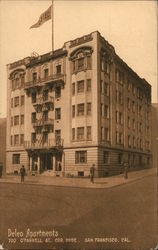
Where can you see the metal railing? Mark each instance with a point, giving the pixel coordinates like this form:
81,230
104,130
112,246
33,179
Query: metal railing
44,99
42,122
51,143
41,81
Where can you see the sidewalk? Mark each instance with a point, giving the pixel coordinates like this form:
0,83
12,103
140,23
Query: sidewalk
107,182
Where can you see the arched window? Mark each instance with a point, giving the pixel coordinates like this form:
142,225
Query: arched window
81,59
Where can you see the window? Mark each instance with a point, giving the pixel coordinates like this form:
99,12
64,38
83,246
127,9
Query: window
73,110
106,157
120,156
80,86
133,106
101,109
16,159
119,138
34,77
89,134
80,63
133,89
13,85
106,67
102,133
16,101
128,85
17,82
58,136
11,121
129,123
80,109
106,111
129,141
101,87
89,62
33,117
120,118
11,140
58,69
16,120
45,137
140,160
73,134
133,123
73,88
128,103
22,100
58,113
16,139
34,97
119,76
134,142
81,157
33,137
45,116
80,133
140,127
88,108
22,119
46,73
22,81
88,85
120,98
141,144
116,116
45,95
58,92
22,139
106,89
12,103
106,134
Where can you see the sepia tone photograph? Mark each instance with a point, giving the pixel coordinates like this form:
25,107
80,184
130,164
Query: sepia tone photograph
78,125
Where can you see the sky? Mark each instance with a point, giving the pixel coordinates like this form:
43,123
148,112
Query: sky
130,26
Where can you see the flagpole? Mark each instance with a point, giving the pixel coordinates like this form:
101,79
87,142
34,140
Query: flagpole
52,26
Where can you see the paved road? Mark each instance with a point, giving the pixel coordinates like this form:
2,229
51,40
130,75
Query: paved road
125,214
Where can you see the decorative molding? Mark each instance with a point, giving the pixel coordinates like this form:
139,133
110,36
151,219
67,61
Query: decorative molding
81,52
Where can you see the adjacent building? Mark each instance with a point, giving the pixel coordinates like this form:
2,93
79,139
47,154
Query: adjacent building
3,145
74,107
154,140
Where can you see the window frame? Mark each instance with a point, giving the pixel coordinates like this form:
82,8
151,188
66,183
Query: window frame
81,157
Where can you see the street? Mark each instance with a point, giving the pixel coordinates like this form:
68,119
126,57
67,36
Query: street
122,217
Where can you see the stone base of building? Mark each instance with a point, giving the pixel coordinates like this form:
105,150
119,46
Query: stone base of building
76,162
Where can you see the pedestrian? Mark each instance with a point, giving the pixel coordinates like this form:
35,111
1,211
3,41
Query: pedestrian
126,170
22,173
1,170
92,173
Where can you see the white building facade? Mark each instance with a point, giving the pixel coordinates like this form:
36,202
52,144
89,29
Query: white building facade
74,107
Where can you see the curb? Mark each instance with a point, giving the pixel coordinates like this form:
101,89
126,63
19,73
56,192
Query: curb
90,187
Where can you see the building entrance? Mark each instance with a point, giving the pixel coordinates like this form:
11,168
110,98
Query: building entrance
46,162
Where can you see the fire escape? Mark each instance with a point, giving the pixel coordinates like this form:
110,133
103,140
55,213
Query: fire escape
43,103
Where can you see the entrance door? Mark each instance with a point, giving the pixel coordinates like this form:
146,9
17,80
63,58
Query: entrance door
46,162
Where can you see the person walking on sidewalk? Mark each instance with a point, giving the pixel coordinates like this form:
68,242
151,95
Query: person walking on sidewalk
92,173
126,170
22,173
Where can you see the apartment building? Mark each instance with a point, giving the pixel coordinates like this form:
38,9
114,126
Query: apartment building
74,107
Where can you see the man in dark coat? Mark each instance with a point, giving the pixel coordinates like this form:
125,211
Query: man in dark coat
22,173
92,173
